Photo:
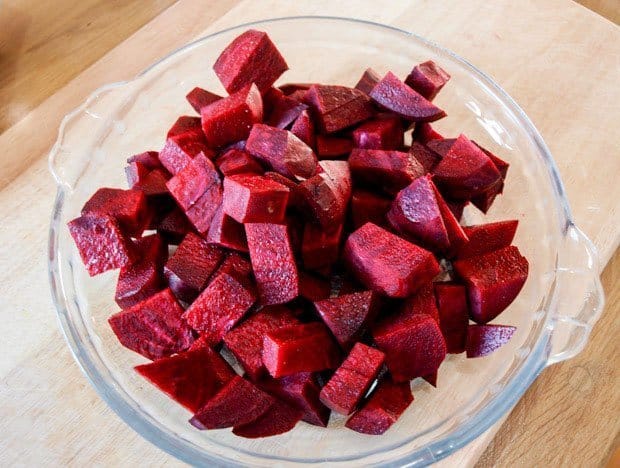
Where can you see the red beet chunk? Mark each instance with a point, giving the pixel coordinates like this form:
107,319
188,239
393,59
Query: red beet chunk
173,226
153,248
245,341
278,419
431,378
457,207
101,243
383,133
391,170
273,262
254,199
427,78
348,316
329,147
320,248
188,271
453,314
284,110
154,327
186,125
368,81
427,158
282,151
196,178
230,119
127,207
151,182
396,96
382,410
485,238
250,58
368,207
456,235
501,165
183,142
226,232
236,161
424,133
290,88
313,288
303,128
299,348
199,98
493,281
149,159
441,146
346,388
386,263
422,302
220,306
484,339
191,378
235,265
202,212
338,107
413,345
237,402
483,202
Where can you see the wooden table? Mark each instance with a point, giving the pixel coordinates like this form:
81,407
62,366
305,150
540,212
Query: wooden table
54,53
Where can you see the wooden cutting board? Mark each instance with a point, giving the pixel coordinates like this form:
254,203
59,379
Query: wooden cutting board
560,61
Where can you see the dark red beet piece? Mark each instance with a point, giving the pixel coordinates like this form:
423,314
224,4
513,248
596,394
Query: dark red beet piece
501,165
320,248
422,302
252,198
154,327
299,348
199,98
427,78
457,207
424,132
493,281
382,410
456,235
273,262
427,158
235,265
250,58
484,201
396,96
226,232
174,226
330,147
303,128
312,287
278,419
384,133
346,388
386,263
237,402
453,314
149,159
338,107
127,207
184,141
201,213
485,238
290,88
367,207
431,378
236,161
484,339
151,182
230,119
441,146
186,125
368,81
284,111
295,199
391,170
191,378
196,178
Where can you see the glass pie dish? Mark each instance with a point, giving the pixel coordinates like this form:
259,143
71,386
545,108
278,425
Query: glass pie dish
554,313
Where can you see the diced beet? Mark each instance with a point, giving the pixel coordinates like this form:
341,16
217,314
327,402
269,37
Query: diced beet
329,147
237,402
245,341
203,210
346,388
424,132
441,146
385,263
485,238
282,151
196,178
427,78
174,226
295,223
273,262
220,306
299,348
427,158
149,159
230,119
456,235
431,378
382,410
453,314
457,207
295,198
151,182
226,232
484,201
348,316
368,81
413,345
189,269
313,288
199,98
422,302
183,142
154,248
191,378
235,265
319,247
290,88
154,327
186,125
127,207
278,419
101,243
136,172
252,198
236,161
299,95
392,170
338,107
484,339
396,96
250,58
493,281
367,207
501,165
384,133
283,110
303,128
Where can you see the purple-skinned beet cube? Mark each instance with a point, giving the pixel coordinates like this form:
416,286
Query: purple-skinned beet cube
338,107
368,81
384,133
453,314
199,98
390,170
427,78
484,339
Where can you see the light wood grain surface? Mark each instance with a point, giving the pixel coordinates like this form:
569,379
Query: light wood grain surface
48,411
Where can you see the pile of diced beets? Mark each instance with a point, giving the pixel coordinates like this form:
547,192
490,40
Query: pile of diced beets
319,249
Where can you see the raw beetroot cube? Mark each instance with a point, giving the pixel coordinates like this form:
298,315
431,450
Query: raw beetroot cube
456,235
196,178
173,226
391,170
386,404
368,81
226,232
252,198
427,78
312,287
384,133
281,417
329,147
457,207
153,248
367,207
493,281
290,88
484,201
199,98
273,262
413,345
101,243
484,339
303,128
236,161
453,314
431,378
338,107
485,238
220,306
188,271
441,146
348,316
426,157
127,207
190,378
386,263
294,197
422,302
186,125
283,110
230,119
346,388
149,159
250,58
319,247
151,182
184,141
237,402
299,348
236,265
396,96
282,151
201,213
424,133
153,327
501,165
245,341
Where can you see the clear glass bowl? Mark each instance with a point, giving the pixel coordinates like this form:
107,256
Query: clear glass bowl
554,313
